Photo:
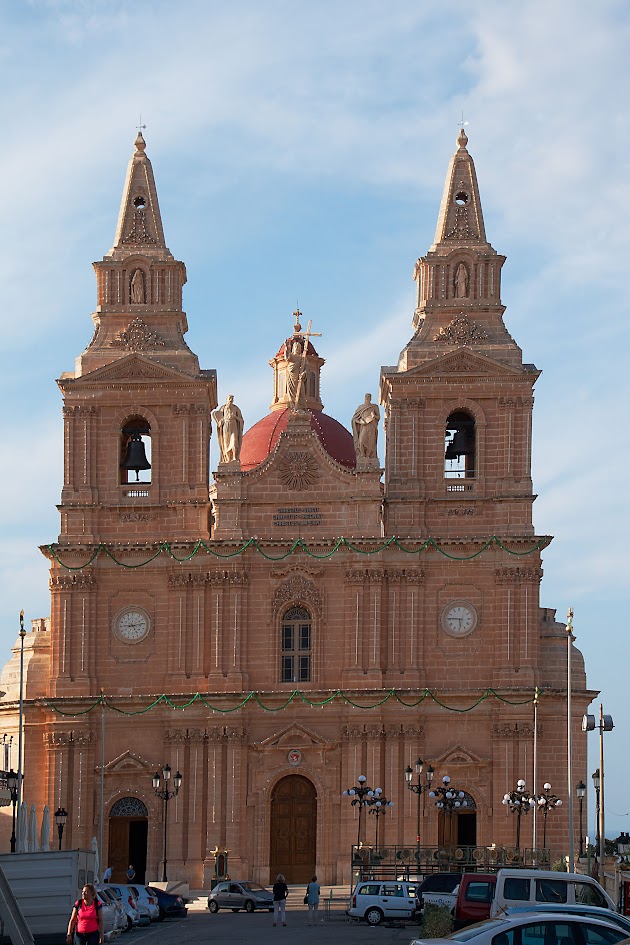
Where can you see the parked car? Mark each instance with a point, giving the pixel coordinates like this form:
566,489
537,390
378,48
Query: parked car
591,912
237,896
128,903
145,897
168,904
474,898
520,887
111,924
438,889
534,929
375,900
112,898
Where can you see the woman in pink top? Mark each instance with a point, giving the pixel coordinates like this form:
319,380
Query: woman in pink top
87,918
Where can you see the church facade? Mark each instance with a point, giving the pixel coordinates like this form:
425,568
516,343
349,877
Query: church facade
215,621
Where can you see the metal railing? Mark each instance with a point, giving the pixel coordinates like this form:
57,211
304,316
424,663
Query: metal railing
404,862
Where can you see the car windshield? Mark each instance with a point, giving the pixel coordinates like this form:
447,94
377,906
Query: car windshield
478,928
253,887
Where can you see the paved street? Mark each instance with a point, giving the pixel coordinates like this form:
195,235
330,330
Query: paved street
227,928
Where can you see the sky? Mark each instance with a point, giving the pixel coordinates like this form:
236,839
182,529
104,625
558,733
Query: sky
300,151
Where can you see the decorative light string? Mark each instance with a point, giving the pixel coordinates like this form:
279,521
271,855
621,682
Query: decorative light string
164,547
296,695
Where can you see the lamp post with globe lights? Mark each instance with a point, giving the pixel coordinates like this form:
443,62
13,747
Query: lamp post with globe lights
361,796
519,802
448,799
418,789
166,795
545,802
378,808
595,777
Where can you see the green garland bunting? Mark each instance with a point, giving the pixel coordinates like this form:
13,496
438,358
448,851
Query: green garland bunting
295,695
298,545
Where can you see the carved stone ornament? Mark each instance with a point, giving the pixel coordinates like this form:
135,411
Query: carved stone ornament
297,589
70,739
129,807
461,331
513,730
137,337
298,470
179,735
139,232
66,582
518,575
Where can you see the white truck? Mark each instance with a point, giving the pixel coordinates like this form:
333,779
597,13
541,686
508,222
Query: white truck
46,886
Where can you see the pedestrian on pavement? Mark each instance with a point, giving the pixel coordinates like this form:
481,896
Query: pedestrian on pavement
312,898
87,918
131,874
280,893
107,875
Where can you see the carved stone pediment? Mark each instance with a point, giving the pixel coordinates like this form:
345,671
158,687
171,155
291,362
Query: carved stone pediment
465,362
293,736
129,763
457,756
130,368
297,589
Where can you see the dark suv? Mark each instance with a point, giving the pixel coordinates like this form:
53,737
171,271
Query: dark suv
438,889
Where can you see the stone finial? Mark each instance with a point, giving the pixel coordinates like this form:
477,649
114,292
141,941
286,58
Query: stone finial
462,139
140,143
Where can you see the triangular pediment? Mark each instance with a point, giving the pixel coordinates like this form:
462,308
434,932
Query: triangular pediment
464,362
129,369
128,763
458,755
294,736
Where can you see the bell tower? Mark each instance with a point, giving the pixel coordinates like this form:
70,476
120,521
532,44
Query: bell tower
459,402
137,407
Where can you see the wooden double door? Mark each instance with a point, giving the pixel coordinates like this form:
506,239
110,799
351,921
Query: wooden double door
293,846
127,845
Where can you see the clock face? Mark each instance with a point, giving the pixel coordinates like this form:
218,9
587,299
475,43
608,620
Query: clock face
132,625
459,618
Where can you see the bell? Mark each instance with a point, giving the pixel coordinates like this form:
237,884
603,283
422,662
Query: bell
462,444
136,457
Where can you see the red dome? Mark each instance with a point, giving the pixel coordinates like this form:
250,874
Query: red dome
260,440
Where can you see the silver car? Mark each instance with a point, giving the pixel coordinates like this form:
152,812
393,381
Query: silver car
120,918
111,924
127,899
237,896
145,897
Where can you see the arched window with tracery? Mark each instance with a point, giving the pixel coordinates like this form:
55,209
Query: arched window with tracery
460,446
296,645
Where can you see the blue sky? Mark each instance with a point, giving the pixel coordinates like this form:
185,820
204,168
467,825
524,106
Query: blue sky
300,151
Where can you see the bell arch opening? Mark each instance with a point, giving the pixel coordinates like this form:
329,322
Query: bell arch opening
135,450
460,446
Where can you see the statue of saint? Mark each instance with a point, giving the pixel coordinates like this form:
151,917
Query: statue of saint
137,288
229,421
296,391
461,282
365,428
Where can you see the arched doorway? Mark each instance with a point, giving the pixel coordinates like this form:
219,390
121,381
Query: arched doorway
128,823
293,830
458,828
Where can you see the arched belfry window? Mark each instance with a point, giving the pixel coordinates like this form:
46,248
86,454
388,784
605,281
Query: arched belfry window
135,450
460,446
296,642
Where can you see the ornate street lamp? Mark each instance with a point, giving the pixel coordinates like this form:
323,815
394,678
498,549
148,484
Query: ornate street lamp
61,816
520,802
596,782
580,790
418,789
546,802
448,799
12,784
361,796
378,808
166,795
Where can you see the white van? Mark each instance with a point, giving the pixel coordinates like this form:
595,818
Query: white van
520,887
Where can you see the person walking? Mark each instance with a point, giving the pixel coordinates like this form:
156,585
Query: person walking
312,899
87,918
280,893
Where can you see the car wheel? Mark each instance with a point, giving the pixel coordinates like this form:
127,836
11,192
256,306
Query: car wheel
250,906
129,925
374,917
212,905
236,910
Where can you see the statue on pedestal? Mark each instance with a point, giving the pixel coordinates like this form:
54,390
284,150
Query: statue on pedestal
229,421
365,428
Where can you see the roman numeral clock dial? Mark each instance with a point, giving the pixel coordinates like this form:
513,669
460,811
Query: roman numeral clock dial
132,625
458,618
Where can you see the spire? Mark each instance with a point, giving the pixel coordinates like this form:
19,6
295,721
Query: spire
460,218
139,228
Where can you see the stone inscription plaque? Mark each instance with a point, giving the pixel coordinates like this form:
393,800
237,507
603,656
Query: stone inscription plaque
297,515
